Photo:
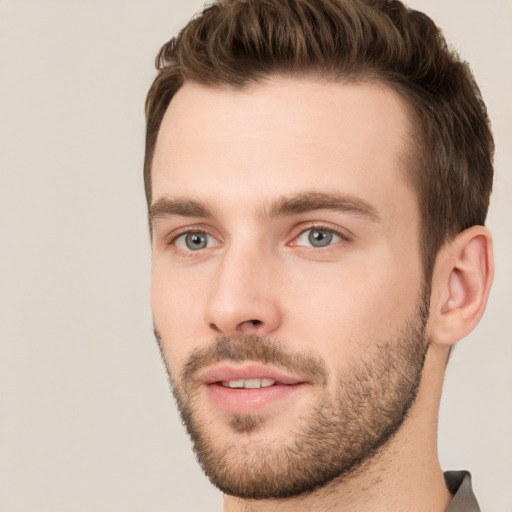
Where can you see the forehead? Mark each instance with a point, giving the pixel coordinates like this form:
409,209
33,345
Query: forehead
282,136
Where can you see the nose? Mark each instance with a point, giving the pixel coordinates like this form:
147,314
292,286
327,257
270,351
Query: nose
243,296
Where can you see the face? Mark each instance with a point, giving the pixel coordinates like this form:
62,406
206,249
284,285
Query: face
286,278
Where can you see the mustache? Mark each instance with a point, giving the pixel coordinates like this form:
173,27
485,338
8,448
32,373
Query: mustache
253,348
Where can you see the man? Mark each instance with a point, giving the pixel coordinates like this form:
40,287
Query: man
318,175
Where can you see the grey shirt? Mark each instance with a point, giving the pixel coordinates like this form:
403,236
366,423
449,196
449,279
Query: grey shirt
459,484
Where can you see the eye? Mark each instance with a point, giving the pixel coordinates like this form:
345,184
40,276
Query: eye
194,241
318,237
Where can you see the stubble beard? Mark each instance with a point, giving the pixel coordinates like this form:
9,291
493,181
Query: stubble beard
343,431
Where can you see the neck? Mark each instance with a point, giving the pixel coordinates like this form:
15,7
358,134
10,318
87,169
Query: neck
404,474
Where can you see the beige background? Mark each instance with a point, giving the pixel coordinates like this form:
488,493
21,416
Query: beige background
87,423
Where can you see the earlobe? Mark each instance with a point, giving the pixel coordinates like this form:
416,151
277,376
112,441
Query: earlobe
461,283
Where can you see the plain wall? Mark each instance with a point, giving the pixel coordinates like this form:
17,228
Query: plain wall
87,422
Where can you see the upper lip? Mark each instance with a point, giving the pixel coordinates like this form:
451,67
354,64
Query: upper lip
224,372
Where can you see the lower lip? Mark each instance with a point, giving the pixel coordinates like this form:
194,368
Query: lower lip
246,401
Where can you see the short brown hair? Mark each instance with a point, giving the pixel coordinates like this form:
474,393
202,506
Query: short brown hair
237,43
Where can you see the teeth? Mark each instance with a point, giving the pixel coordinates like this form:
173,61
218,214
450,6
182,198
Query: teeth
252,383
234,383
248,383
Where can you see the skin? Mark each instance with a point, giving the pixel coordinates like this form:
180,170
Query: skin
237,152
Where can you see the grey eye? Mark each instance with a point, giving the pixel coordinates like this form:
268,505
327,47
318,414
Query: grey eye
320,237
317,237
194,241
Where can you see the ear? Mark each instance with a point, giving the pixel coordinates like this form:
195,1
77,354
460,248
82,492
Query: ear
461,281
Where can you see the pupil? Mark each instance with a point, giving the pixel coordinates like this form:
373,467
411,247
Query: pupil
320,237
195,241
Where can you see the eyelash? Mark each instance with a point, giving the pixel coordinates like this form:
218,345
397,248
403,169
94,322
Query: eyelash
312,227
190,231
321,227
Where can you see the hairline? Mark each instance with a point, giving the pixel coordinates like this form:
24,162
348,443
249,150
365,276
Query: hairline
413,137
407,158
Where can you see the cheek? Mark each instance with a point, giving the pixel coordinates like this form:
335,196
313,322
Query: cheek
349,309
177,306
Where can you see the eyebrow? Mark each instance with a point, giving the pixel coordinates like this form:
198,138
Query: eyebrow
181,207
305,202
294,204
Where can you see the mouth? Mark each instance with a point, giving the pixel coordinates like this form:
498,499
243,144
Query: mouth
248,383
248,388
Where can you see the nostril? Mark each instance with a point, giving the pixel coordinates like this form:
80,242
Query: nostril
214,327
248,325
